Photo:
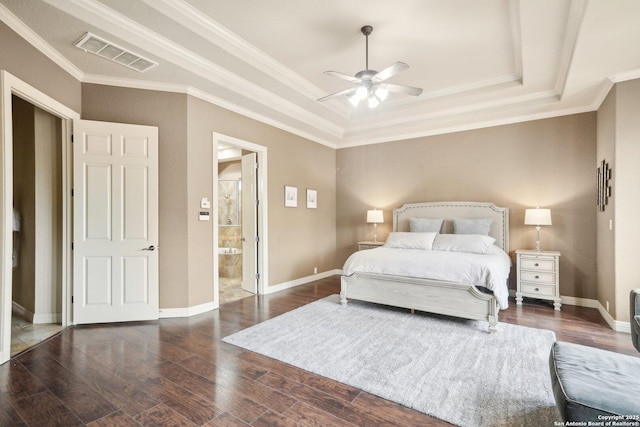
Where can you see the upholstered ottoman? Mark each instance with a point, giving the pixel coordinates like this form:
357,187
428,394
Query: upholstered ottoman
588,382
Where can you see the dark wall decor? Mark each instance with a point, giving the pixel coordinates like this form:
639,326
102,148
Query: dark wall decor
604,189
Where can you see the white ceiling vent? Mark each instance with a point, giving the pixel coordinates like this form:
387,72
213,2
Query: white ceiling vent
108,50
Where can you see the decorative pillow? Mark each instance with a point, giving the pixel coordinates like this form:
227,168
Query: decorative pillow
472,226
403,240
425,225
470,243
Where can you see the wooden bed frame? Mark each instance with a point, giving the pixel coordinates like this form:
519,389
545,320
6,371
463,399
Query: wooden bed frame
433,296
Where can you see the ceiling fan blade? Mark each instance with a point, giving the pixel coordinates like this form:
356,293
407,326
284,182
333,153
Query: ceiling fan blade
390,71
342,92
406,90
343,76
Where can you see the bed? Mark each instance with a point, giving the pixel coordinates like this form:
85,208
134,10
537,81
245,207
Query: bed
457,298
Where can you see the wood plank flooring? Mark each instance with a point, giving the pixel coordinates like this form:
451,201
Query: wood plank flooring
177,372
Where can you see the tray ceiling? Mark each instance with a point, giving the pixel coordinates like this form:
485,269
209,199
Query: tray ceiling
481,63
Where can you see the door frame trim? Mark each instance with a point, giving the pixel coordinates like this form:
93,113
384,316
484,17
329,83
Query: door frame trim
11,85
263,220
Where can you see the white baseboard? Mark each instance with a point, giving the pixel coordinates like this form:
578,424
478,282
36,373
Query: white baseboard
203,308
20,311
36,319
616,325
300,281
186,311
47,318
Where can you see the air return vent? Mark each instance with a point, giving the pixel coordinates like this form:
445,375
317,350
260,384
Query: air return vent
108,50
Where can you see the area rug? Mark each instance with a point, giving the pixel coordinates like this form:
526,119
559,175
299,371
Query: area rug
451,369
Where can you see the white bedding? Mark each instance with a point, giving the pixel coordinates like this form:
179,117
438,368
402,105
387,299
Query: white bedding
490,271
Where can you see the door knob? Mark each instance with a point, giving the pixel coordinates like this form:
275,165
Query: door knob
150,248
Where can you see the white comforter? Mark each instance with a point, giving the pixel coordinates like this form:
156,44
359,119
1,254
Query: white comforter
490,271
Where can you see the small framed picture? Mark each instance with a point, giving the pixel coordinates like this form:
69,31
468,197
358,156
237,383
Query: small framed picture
290,197
312,199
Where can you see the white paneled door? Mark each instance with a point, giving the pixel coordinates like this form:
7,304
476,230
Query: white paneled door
115,230
249,223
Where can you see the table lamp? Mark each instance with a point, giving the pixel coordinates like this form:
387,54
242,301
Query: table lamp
537,217
375,217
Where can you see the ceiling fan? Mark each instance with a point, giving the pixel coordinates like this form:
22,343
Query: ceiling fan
370,83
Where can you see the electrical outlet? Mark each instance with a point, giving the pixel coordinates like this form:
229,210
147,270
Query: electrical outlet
315,270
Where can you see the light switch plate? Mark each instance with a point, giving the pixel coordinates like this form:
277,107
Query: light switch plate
205,203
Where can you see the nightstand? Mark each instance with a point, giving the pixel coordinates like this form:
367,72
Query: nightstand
538,276
369,245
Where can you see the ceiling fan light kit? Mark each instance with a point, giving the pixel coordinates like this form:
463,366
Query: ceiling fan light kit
371,86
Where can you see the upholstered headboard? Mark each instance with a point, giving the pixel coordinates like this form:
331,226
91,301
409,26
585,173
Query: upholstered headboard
449,210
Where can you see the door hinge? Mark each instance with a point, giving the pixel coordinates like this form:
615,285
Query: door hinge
72,192
72,138
257,276
256,165
257,202
71,245
257,239
71,299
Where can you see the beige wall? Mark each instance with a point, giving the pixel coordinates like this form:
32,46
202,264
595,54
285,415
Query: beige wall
167,111
618,132
547,163
24,61
626,188
606,238
299,239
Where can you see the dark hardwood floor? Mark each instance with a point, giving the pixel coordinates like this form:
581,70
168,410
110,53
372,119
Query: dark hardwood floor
177,372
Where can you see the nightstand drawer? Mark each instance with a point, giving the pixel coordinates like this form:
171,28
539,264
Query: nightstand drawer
538,277
537,264
532,289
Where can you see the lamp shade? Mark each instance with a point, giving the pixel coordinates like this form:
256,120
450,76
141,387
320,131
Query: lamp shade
537,216
375,216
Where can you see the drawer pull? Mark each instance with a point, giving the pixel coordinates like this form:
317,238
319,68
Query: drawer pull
537,289
536,264
537,277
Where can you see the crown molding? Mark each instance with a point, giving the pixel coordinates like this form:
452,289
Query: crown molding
186,14
577,12
512,102
197,93
38,42
471,125
516,35
96,13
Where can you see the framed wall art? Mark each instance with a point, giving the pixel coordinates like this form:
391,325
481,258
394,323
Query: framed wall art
603,192
312,199
290,196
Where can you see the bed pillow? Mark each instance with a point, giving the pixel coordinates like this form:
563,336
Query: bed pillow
470,243
425,225
472,226
403,240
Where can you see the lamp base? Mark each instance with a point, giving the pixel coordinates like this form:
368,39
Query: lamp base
537,238
375,232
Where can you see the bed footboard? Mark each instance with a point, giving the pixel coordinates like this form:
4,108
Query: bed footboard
452,299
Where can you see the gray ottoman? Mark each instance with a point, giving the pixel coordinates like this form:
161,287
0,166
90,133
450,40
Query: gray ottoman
588,382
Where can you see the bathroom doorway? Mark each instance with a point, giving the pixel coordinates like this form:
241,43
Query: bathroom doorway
240,219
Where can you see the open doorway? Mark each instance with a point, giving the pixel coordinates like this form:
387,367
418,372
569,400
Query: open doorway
62,118
37,223
240,219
